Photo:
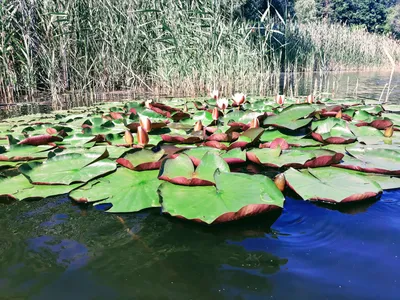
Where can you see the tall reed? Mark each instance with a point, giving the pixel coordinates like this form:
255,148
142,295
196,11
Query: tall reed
165,47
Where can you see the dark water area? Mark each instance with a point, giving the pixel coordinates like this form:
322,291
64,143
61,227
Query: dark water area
54,249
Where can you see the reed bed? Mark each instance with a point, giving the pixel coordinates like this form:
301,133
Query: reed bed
165,47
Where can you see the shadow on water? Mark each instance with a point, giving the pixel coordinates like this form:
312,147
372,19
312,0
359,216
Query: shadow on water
55,248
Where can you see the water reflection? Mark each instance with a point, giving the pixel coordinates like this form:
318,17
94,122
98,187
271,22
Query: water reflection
355,85
143,256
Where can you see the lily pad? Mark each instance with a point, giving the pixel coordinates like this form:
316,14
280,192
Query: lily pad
19,188
234,197
180,170
68,168
293,117
126,190
294,158
381,161
331,185
142,159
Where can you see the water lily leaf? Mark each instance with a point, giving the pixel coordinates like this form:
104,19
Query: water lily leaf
329,185
337,135
68,168
372,160
235,196
372,109
19,188
361,115
386,182
294,158
395,118
126,190
25,153
249,136
38,140
196,154
293,117
180,170
181,139
234,156
204,116
142,159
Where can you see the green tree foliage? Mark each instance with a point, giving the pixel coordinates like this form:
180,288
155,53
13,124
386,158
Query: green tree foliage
393,21
369,13
306,10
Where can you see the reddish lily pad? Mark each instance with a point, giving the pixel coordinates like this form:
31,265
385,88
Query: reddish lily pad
141,160
294,158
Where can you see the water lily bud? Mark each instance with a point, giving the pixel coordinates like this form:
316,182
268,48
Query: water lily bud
142,136
145,123
198,126
280,99
147,104
215,114
255,123
280,182
215,94
310,99
339,114
297,101
222,103
128,137
239,98
185,108
388,131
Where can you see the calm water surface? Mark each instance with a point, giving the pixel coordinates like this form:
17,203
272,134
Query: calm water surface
54,249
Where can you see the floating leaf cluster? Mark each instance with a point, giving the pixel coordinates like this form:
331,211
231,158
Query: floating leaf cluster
210,161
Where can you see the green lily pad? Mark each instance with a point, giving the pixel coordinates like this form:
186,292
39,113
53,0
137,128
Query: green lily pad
235,196
372,160
126,190
331,185
293,117
68,168
25,153
19,188
386,182
180,170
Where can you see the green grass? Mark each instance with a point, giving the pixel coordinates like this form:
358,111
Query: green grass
166,47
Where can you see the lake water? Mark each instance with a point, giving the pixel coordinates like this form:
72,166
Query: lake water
352,85
55,249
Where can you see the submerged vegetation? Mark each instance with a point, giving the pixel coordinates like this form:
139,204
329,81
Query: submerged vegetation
209,161
169,47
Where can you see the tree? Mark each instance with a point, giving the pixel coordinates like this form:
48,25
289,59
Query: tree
393,21
370,13
306,10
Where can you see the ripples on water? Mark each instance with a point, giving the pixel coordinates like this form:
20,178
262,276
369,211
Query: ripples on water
55,249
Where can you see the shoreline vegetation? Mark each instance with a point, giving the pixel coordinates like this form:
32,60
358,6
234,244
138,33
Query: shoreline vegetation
170,48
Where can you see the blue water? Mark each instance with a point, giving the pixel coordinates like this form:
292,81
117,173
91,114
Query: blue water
54,249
